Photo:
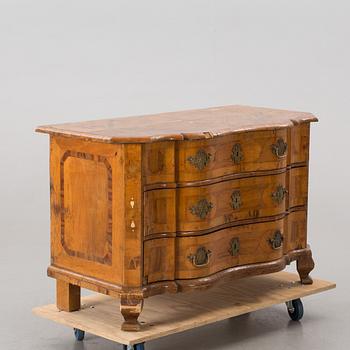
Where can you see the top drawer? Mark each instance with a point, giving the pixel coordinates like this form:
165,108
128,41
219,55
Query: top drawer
237,153
197,160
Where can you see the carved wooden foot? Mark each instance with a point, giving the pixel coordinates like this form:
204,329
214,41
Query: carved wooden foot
131,306
67,296
305,264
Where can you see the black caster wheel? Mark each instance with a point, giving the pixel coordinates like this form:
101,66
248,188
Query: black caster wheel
295,309
140,346
79,334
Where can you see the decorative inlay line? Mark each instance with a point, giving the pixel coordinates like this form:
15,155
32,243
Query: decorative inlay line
107,259
229,177
224,226
183,284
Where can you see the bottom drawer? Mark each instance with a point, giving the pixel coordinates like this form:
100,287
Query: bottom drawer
166,259
200,256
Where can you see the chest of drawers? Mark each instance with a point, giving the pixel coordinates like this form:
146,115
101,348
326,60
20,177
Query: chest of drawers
176,201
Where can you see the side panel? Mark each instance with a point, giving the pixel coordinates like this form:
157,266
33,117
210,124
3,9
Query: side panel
95,232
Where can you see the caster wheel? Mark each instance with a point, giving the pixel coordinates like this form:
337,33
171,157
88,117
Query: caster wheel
295,309
140,346
79,334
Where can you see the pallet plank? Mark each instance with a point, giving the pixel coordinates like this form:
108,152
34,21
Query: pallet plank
172,313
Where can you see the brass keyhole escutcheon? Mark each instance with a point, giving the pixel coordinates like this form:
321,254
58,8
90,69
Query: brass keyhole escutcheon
279,149
237,153
277,240
202,208
236,201
200,160
279,194
234,246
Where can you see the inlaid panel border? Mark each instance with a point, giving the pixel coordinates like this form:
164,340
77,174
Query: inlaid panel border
107,258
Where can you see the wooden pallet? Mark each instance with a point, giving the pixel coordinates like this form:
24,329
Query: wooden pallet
172,313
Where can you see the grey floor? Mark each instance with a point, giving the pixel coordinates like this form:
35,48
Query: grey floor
66,61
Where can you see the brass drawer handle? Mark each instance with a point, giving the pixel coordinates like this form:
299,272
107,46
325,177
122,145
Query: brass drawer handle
279,148
237,153
201,258
279,194
236,201
202,208
234,246
200,160
277,240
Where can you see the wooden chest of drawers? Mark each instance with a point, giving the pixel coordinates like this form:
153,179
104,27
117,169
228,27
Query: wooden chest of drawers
176,201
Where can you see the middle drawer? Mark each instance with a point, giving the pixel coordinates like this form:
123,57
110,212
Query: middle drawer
205,208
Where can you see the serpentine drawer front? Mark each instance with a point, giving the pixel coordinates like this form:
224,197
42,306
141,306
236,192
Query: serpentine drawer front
203,255
209,207
176,201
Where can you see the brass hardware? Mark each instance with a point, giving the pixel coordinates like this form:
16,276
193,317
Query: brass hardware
132,203
279,148
201,258
202,208
132,225
277,240
279,194
200,160
234,247
237,154
236,201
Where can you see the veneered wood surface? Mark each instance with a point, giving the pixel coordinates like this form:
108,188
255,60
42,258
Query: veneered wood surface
86,208
254,246
121,218
159,260
159,162
67,296
168,164
256,149
183,125
174,286
160,211
168,314
256,195
161,265
94,229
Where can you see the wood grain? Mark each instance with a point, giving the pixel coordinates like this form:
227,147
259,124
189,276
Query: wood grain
184,125
169,314
256,196
133,198
254,246
89,242
86,178
159,162
159,260
67,296
95,181
255,148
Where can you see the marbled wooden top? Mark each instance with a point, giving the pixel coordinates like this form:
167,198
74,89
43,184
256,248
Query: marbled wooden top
183,125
